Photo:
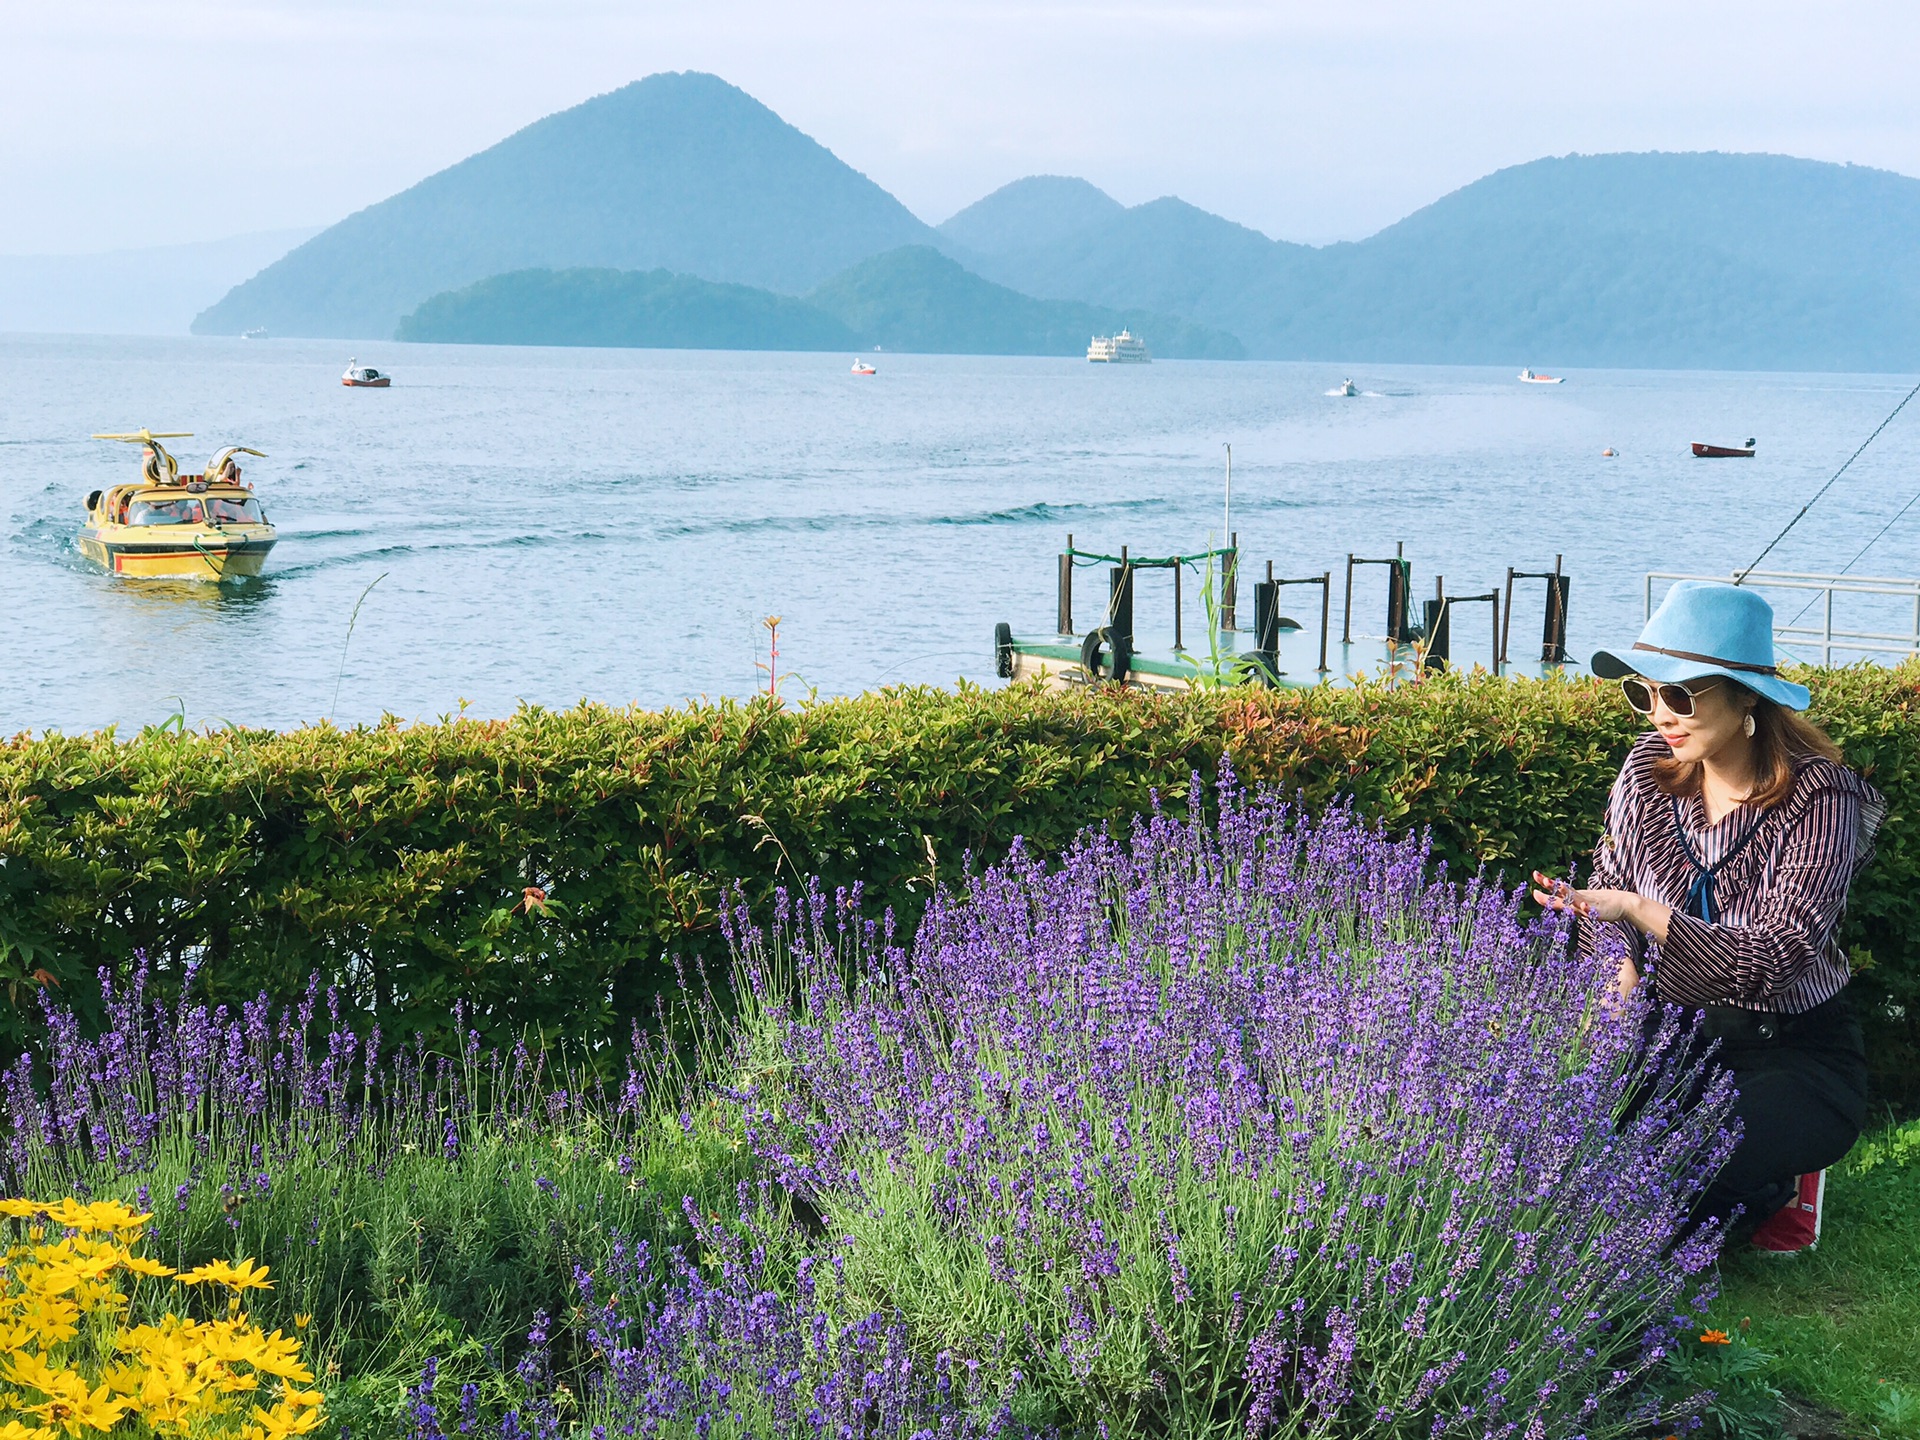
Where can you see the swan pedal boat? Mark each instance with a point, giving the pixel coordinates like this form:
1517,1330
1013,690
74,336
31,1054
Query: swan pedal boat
197,527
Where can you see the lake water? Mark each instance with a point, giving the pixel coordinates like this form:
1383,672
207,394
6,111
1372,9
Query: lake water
547,525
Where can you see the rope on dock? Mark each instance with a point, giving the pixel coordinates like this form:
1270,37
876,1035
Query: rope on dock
1083,558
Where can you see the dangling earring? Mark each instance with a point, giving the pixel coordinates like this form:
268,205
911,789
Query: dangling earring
1747,724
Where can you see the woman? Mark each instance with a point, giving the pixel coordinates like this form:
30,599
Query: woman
1733,833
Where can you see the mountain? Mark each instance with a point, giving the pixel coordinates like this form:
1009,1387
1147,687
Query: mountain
1646,260
155,290
1165,255
1662,260
1654,260
915,298
678,171
1039,210
652,309
911,299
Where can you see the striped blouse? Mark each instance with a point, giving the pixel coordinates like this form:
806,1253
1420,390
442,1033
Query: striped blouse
1779,887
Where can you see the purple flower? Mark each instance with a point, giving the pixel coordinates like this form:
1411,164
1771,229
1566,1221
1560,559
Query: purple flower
1356,1124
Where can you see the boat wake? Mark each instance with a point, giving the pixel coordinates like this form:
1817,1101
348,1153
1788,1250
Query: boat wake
1040,510
50,538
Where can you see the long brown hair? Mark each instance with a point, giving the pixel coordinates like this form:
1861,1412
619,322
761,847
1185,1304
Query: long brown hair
1782,738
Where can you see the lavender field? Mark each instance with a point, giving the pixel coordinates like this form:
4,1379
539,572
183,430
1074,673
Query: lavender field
1252,1128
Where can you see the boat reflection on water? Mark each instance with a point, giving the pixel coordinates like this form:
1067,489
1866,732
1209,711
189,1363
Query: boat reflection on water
238,596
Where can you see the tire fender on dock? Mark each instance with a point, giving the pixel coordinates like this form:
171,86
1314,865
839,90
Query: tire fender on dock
1120,655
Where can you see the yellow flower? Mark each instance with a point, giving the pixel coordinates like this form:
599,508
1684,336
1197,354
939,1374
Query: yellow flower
1716,1337
32,1370
300,1322
59,1272
280,1355
70,1214
71,1406
285,1420
51,1318
172,1378
161,1392
99,1215
233,1342
244,1276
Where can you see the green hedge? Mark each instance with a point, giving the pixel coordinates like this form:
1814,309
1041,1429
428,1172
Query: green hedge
393,860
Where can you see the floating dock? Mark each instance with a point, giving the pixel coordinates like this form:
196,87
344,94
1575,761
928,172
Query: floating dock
1278,650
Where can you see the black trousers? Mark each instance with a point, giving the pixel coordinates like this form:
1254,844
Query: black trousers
1803,1099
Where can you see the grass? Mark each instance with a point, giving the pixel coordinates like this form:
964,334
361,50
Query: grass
1843,1323
409,1209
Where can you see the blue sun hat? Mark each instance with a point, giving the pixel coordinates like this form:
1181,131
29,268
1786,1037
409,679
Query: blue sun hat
1703,628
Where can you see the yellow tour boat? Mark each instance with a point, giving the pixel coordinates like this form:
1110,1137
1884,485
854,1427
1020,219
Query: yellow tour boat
197,527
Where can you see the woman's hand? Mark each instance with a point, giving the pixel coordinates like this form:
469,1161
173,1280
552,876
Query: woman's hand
1553,894
1615,905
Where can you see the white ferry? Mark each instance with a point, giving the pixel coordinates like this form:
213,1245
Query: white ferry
1121,349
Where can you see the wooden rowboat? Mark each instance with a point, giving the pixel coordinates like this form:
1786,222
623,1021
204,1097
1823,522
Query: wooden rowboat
1723,452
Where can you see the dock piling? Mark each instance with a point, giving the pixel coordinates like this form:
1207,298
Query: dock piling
1500,651
1120,602
1230,583
1440,625
1326,606
1065,616
1553,637
1436,625
1553,630
1399,586
1266,628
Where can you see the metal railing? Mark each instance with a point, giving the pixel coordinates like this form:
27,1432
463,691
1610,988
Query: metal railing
1791,635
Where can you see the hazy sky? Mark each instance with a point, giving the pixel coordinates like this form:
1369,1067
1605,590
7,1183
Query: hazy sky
134,122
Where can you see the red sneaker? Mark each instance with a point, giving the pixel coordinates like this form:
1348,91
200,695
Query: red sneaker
1796,1226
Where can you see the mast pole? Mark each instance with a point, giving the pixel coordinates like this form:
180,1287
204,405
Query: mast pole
1226,527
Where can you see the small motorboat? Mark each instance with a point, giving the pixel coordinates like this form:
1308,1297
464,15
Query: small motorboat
1528,377
365,377
1723,452
194,527
861,367
259,332
1347,389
